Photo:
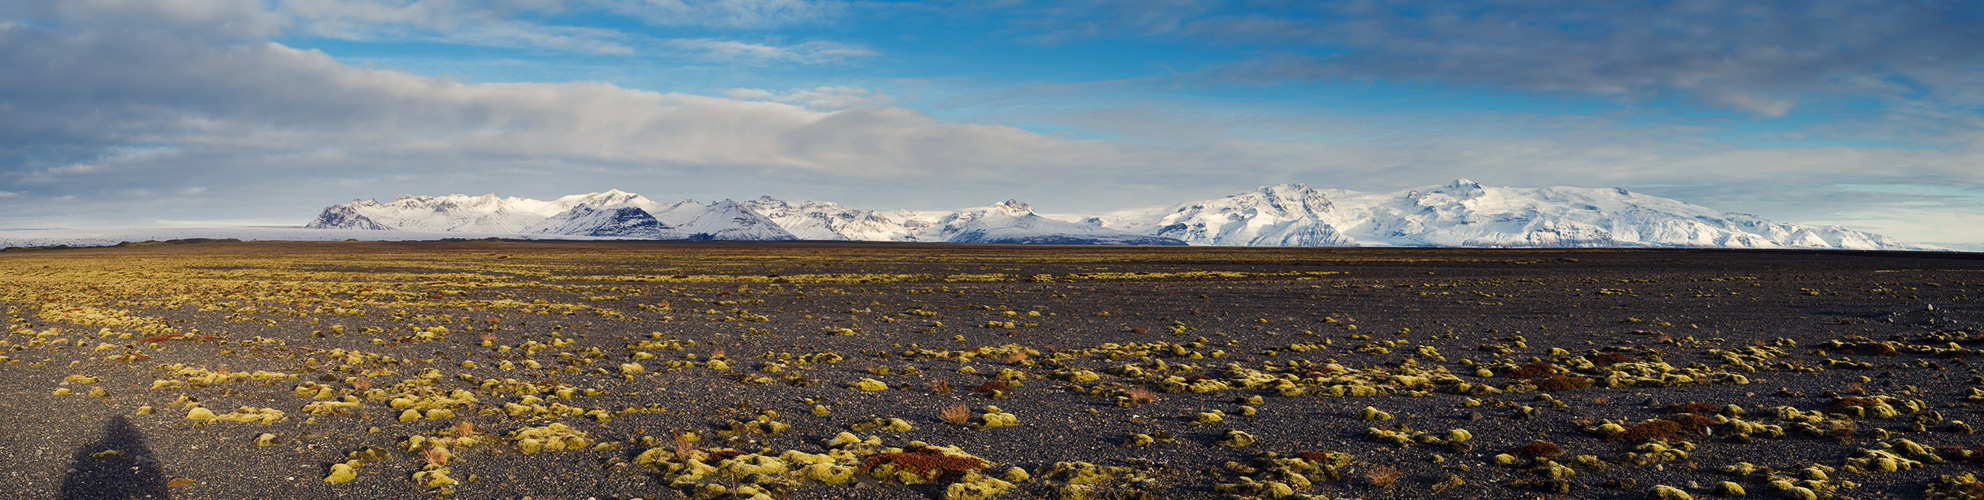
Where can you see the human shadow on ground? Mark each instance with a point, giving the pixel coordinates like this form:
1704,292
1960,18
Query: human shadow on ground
131,472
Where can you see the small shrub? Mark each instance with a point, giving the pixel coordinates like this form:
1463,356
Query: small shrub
940,386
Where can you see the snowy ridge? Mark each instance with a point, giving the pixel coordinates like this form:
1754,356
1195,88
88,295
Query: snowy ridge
1466,214
1458,214
103,237
1015,222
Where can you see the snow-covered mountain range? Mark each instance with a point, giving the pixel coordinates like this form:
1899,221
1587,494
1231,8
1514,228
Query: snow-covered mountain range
1459,214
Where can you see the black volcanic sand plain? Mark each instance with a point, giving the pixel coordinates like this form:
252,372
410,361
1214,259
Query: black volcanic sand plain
560,370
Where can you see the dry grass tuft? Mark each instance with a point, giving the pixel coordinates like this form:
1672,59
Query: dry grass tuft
1383,476
957,414
1141,395
681,446
436,456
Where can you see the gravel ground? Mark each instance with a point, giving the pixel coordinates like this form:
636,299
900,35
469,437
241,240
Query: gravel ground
1440,339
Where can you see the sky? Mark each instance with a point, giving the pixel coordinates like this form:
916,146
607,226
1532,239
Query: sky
1867,114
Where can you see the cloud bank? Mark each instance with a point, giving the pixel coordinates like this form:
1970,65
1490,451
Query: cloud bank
125,111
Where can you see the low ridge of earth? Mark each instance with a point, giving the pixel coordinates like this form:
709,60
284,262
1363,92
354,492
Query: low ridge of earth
577,370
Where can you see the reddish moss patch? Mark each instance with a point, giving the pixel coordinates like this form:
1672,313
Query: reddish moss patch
1662,429
1561,383
1688,407
1874,349
1850,401
1543,449
996,385
1611,358
1532,370
931,463
1959,454
1692,421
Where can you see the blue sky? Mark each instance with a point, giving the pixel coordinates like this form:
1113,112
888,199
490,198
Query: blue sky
130,113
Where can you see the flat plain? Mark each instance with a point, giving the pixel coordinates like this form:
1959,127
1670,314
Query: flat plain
577,370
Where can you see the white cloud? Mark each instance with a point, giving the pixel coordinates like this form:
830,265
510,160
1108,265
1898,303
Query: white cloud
491,24
812,52
1758,57
819,98
748,14
227,19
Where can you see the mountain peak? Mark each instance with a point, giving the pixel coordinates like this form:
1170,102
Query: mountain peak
1014,207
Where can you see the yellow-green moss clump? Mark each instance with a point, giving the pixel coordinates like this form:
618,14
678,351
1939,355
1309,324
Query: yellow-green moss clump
341,473
1235,439
995,417
245,414
1665,492
870,385
1730,489
888,424
554,437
